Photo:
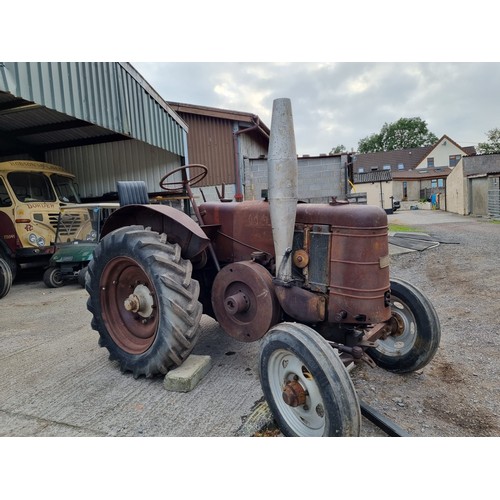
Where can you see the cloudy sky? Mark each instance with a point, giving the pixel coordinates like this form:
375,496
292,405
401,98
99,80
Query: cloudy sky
333,102
341,103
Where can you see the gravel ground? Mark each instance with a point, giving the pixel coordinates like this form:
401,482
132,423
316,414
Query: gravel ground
458,393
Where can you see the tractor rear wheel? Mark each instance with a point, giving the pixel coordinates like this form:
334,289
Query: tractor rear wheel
306,385
416,331
5,278
144,303
52,277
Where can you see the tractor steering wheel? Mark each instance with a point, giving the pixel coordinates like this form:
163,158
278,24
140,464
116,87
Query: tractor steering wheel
175,186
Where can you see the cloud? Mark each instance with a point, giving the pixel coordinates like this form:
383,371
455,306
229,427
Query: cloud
341,103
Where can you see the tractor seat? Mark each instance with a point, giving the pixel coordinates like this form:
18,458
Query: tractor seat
132,193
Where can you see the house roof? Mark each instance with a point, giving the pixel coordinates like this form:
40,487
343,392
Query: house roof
224,114
410,158
379,176
421,173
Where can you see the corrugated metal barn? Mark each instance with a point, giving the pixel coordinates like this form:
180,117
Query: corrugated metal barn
99,120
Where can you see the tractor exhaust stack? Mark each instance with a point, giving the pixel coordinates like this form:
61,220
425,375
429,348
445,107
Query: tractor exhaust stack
282,181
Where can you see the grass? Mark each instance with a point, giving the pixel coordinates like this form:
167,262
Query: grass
398,228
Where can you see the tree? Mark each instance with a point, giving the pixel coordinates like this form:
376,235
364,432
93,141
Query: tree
493,143
405,133
338,149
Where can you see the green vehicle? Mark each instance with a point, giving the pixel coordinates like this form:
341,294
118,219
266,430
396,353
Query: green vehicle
71,257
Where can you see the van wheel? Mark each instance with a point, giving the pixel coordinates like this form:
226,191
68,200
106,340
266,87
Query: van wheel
5,278
11,263
143,300
52,277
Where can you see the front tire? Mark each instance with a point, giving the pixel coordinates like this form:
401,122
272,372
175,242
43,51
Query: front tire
52,277
416,331
5,278
143,301
306,385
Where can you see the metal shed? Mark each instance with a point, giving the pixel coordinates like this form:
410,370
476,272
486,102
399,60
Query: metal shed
100,120
222,140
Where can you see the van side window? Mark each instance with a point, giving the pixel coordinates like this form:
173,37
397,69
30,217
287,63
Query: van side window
5,200
31,186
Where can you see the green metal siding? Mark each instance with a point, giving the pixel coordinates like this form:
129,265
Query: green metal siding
108,94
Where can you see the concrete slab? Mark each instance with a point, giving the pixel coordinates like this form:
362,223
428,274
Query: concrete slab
187,376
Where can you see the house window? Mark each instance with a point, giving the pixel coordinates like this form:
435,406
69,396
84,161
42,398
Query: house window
440,183
401,166
386,167
374,169
405,190
454,159
361,170
434,183
430,162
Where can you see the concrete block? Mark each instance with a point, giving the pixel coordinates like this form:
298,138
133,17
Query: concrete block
186,377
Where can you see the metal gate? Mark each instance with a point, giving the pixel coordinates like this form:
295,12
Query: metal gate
494,196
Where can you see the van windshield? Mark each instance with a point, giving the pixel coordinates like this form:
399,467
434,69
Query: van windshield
65,188
31,186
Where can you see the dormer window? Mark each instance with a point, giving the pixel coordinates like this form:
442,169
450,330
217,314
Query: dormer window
430,162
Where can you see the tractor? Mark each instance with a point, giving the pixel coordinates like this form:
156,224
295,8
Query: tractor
309,282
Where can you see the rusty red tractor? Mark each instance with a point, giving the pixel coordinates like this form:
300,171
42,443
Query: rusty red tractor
310,282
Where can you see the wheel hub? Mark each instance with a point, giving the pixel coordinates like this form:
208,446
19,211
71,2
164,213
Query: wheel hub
244,300
140,301
294,394
128,305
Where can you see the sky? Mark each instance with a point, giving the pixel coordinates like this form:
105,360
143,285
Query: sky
339,103
347,69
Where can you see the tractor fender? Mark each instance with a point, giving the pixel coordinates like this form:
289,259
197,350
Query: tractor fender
179,227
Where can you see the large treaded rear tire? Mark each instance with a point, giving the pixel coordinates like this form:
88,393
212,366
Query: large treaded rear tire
133,260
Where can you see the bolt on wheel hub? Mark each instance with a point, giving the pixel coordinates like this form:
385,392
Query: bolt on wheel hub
140,301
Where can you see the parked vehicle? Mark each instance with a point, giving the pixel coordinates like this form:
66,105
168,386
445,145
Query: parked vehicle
31,196
312,281
70,260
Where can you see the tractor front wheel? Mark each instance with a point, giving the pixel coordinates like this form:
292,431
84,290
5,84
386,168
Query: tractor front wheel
144,303
306,385
416,331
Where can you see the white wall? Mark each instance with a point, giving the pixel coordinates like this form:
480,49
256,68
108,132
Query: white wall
456,191
441,154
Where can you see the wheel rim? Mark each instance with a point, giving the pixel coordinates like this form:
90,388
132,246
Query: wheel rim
404,335
129,305
304,419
